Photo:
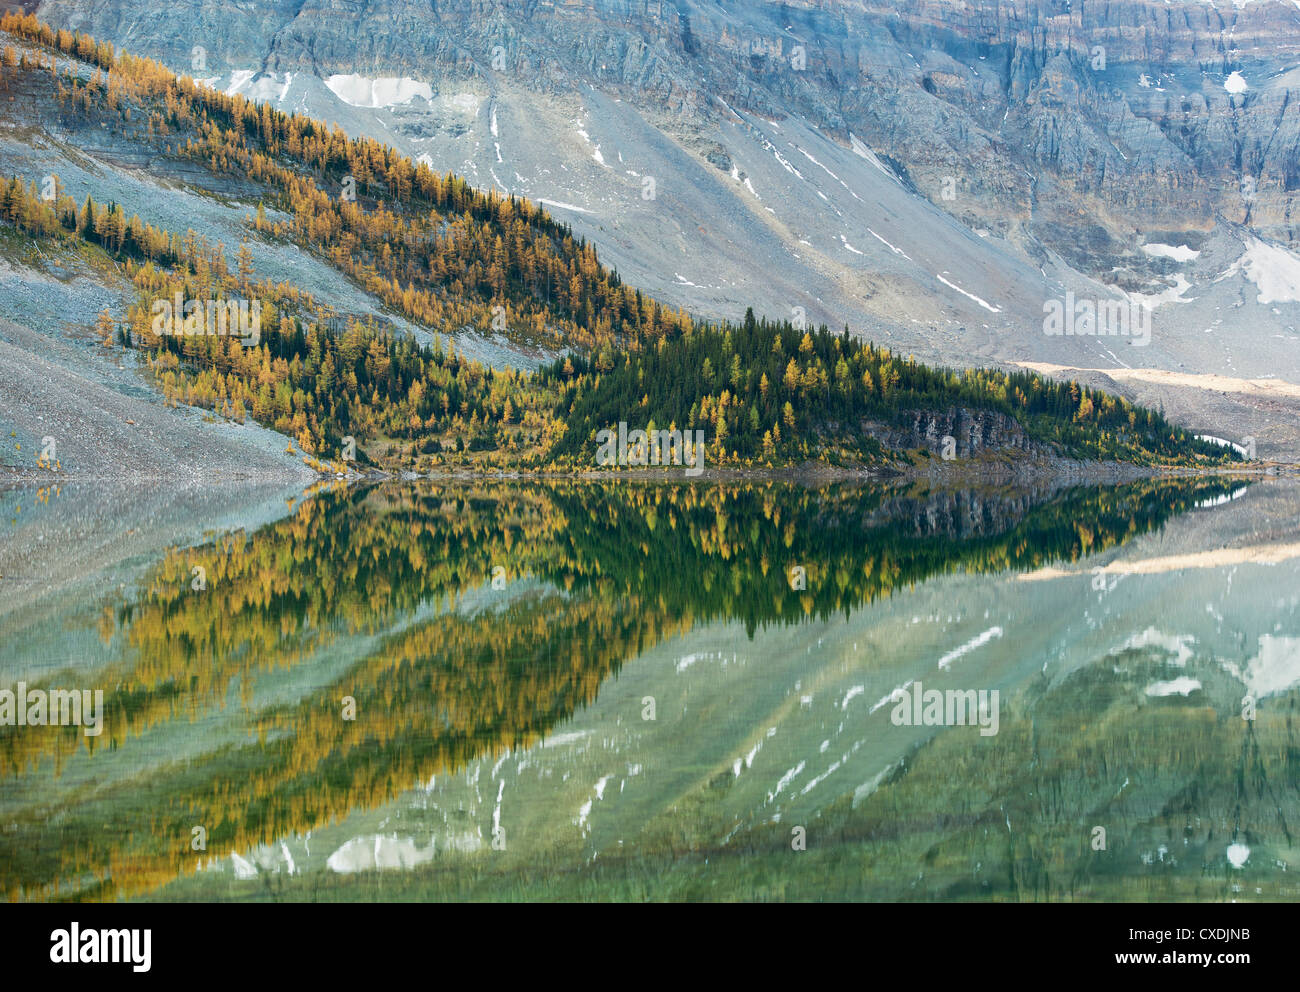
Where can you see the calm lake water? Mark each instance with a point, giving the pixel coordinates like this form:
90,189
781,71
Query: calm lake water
678,691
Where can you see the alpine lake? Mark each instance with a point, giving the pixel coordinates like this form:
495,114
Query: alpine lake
673,690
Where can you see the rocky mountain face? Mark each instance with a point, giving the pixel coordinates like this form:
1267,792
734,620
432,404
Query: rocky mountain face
932,174
972,432
1074,123
958,513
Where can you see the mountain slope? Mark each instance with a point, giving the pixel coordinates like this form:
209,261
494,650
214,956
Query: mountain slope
939,173
447,257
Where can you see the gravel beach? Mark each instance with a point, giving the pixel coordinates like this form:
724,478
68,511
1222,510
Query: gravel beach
134,475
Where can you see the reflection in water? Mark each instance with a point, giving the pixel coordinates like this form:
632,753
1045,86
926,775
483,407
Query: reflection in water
378,639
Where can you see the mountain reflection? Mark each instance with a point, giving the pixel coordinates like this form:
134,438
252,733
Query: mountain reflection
377,637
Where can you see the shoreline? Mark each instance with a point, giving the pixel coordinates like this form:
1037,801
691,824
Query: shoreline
962,473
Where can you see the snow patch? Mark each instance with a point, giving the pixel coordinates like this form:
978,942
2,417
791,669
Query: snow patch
862,151
1182,686
1275,669
984,303
867,788
895,250
584,811
1224,443
363,853
785,780
1176,644
559,740
1205,504
386,91
1174,294
563,206
1274,270
975,642
1179,253
243,869
897,693
238,79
